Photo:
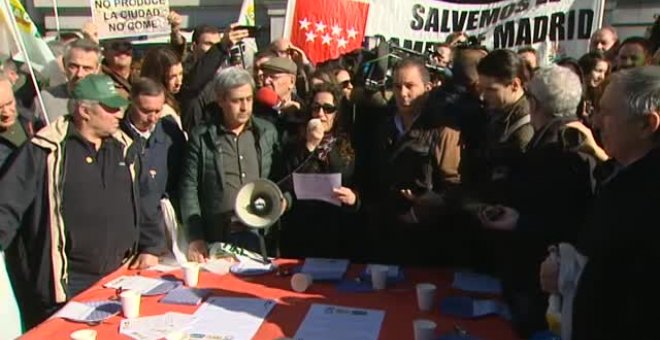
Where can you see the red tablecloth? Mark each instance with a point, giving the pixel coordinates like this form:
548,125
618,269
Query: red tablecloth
399,303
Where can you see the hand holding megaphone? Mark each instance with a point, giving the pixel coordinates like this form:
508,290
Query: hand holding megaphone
315,133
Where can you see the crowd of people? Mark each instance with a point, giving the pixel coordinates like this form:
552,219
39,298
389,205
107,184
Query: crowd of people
492,168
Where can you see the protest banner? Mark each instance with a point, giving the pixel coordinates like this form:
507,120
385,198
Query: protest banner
130,18
553,27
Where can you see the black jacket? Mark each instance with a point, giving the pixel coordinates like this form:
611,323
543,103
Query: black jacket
32,227
7,148
551,189
160,163
617,294
315,228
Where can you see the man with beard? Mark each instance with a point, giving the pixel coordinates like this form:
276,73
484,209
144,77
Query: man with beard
412,168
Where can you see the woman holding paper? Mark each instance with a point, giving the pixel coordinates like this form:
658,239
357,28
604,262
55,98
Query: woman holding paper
321,228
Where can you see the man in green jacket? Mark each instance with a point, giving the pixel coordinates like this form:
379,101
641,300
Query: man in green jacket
232,150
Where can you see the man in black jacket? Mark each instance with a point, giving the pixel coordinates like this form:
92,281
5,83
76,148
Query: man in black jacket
68,203
617,291
160,143
617,294
15,129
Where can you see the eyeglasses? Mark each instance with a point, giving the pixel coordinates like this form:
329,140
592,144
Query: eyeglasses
345,84
327,108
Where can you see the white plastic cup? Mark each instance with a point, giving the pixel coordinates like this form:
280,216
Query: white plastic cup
130,304
191,273
424,329
84,334
300,282
379,276
425,296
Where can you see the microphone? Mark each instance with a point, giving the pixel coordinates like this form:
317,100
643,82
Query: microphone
267,96
313,123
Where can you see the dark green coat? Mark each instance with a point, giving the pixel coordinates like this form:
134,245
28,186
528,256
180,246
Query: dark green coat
202,177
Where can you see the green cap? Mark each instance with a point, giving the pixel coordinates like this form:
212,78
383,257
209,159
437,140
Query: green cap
101,88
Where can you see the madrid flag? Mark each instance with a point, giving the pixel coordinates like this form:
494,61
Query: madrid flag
326,29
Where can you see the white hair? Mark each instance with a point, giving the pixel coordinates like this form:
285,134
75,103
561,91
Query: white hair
232,77
557,91
640,89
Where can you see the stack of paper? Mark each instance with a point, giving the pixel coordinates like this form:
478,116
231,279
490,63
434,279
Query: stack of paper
325,269
137,283
92,311
230,318
155,327
337,322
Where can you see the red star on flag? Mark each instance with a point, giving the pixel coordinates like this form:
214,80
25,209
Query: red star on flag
326,29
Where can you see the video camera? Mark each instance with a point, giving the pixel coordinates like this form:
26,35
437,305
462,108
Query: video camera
381,57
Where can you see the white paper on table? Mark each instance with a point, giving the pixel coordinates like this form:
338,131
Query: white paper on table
217,266
137,283
155,327
317,187
163,268
325,269
338,322
75,311
230,317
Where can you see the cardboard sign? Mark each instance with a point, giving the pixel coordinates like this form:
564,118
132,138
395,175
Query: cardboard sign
130,18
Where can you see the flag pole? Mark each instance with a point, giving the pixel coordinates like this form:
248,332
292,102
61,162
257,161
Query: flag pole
21,46
56,12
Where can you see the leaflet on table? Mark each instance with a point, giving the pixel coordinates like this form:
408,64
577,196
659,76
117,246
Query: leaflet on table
339,322
230,317
325,269
75,311
137,283
217,266
155,327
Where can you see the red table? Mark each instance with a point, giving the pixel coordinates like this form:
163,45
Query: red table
399,303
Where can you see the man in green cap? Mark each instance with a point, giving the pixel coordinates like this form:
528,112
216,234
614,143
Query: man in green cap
68,202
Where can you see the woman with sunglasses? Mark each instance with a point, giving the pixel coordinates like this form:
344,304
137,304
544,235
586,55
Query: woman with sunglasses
163,65
314,228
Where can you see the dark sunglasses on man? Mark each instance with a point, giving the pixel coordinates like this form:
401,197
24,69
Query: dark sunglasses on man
327,108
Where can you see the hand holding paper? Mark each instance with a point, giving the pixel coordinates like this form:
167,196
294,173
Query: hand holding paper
317,187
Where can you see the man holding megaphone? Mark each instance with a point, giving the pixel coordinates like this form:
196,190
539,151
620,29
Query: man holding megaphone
223,155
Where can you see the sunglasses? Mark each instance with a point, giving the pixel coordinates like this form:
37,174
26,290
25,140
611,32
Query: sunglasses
327,108
345,84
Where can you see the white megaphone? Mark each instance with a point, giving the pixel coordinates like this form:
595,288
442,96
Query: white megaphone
259,204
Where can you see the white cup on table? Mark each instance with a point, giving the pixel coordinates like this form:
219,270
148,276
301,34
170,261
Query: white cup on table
300,282
130,304
84,334
425,296
191,273
424,329
379,276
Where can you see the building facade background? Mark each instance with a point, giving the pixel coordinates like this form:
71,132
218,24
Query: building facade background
629,17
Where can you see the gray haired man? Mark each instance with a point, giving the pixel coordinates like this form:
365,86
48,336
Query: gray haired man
233,149
81,58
